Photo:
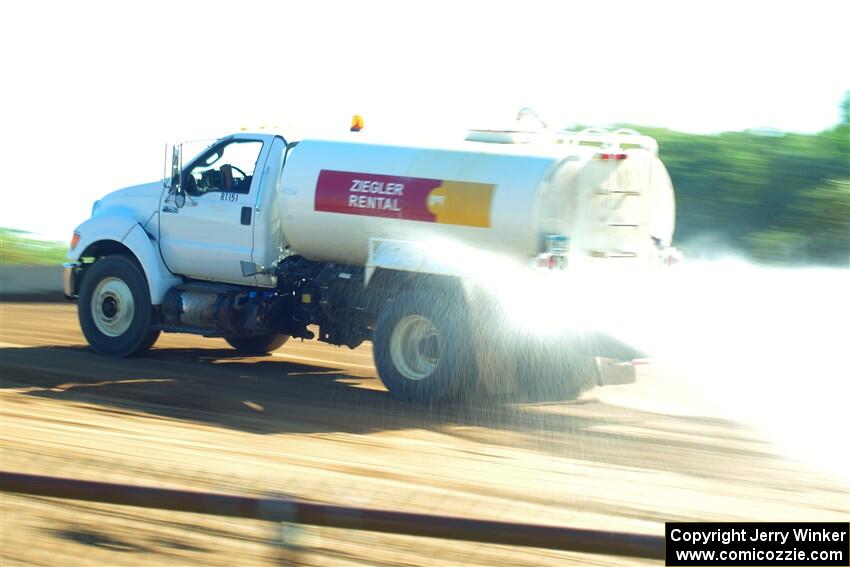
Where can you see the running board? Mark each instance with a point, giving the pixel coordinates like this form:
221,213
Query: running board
205,331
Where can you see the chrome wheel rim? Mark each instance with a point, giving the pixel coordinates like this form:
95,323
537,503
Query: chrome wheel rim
415,347
112,307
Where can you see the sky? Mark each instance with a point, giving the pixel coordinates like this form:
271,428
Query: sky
91,92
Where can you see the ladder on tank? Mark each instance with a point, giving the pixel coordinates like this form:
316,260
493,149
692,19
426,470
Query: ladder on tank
615,145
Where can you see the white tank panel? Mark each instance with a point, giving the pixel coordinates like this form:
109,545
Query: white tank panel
335,196
662,213
504,198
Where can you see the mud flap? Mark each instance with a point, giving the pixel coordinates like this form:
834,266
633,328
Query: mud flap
612,372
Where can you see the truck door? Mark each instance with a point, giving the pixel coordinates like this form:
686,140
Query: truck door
207,234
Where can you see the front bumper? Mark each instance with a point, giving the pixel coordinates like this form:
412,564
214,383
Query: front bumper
70,277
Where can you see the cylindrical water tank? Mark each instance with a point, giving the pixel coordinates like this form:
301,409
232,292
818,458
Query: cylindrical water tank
504,198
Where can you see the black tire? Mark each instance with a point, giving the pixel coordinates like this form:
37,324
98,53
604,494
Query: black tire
138,337
450,367
259,344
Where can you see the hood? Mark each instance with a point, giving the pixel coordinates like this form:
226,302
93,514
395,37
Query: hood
142,199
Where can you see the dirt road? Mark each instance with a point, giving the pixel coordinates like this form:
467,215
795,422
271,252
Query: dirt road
314,422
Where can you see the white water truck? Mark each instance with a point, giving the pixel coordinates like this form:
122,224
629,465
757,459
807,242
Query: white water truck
261,238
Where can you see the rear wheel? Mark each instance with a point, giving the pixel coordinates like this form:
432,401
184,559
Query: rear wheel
259,344
422,347
115,308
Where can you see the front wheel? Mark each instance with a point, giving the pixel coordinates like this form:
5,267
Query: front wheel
422,347
115,309
258,344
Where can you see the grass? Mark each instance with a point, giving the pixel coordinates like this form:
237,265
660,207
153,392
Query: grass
21,248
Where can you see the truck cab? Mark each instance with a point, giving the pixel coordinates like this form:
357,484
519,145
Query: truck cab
225,212
218,212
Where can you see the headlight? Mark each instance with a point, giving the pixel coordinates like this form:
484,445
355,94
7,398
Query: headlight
95,207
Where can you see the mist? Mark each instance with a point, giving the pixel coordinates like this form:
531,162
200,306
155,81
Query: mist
763,346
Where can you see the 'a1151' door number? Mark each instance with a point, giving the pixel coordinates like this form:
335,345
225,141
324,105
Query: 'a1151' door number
229,197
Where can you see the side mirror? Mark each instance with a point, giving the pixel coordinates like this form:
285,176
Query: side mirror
175,167
176,176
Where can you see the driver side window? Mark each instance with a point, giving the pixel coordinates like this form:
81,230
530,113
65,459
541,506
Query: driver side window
224,167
